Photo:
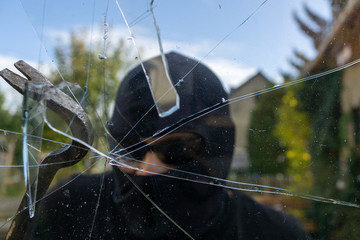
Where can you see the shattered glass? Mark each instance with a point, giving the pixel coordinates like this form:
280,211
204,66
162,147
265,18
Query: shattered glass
32,128
290,80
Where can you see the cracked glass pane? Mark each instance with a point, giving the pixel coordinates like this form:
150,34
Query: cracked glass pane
180,119
32,128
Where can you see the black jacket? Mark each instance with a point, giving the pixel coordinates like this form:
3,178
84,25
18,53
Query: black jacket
109,206
88,207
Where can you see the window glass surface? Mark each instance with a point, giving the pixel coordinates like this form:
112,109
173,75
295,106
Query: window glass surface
180,119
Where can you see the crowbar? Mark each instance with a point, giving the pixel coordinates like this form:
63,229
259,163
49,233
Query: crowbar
73,114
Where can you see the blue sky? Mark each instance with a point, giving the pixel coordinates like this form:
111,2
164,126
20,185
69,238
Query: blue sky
31,28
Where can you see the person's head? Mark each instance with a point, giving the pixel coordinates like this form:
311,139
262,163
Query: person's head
206,140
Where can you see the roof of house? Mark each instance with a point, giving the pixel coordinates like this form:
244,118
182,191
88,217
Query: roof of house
351,10
249,81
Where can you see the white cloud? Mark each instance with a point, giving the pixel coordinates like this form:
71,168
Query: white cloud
58,35
232,73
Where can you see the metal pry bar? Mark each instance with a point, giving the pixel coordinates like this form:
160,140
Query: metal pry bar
39,88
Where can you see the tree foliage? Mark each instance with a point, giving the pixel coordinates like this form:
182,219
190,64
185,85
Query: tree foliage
9,121
321,104
264,148
99,76
293,130
91,79
316,28
10,145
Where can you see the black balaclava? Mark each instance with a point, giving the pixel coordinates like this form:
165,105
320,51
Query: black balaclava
192,205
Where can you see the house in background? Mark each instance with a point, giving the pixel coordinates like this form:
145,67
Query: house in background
340,47
241,114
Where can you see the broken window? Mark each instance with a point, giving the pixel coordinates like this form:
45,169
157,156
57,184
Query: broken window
281,127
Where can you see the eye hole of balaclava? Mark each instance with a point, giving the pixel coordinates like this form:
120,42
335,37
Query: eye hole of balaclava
179,148
173,149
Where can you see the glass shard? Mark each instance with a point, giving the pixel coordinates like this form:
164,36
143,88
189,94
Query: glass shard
32,127
163,92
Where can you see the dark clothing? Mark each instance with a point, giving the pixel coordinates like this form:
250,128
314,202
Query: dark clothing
87,208
135,118
112,206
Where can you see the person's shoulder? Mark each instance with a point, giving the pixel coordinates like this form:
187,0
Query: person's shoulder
83,180
80,186
66,210
265,222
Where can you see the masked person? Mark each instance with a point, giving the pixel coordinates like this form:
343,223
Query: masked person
170,189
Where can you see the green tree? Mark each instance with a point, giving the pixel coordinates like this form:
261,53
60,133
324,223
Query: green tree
293,130
96,73
264,148
9,121
79,64
316,30
11,147
320,100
